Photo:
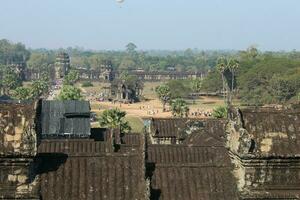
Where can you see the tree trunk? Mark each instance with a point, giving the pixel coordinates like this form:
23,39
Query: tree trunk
232,85
164,106
223,81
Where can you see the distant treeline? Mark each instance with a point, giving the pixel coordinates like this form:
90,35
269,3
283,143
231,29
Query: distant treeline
262,77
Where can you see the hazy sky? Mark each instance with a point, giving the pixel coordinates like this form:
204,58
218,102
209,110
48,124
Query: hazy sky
152,24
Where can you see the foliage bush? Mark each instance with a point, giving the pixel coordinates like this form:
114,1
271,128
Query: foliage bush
220,112
87,84
179,108
69,92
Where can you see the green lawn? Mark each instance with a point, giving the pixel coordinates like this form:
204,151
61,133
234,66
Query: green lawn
136,124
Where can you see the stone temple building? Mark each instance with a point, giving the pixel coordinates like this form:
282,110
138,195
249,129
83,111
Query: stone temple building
254,155
62,65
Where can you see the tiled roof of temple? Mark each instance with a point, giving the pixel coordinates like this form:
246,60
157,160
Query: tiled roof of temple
261,159
66,117
264,145
88,169
198,169
274,132
179,127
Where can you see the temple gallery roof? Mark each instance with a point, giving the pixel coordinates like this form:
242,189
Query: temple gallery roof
89,169
179,127
200,168
65,118
275,132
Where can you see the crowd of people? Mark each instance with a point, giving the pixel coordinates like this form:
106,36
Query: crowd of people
201,114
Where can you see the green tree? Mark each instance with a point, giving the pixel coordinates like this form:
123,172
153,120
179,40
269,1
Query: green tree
282,89
22,93
11,53
71,78
227,68
39,87
233,66
222,67
40,61
69,92
164,94
179,88
212,82
114,118
130,48
196,85
95,61
179,108
10,80
220,112
127,63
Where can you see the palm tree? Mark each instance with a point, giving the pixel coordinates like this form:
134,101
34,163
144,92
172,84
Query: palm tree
114,118
179,108
233,65
224,65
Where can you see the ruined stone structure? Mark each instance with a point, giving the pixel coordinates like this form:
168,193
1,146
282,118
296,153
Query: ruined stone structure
18,148
62,65
264,144
126,94
176,130
104,73
35,74
253,155
107,74
154,76
19,68
66,168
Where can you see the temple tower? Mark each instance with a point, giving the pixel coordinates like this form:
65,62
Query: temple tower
62,65
106,71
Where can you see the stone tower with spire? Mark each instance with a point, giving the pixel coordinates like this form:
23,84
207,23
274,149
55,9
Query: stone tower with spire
62,65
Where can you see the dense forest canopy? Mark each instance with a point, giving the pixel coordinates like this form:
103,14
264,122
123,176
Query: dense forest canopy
11,53
262,77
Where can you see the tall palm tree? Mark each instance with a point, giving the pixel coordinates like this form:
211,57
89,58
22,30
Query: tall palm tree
114,118
224,65
179,108
233,66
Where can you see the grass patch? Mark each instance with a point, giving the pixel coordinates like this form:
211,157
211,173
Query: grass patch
136,124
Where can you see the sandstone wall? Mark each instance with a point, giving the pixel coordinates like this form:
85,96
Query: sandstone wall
265,148
18,146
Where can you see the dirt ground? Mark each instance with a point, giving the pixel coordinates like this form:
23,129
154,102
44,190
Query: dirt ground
151,107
